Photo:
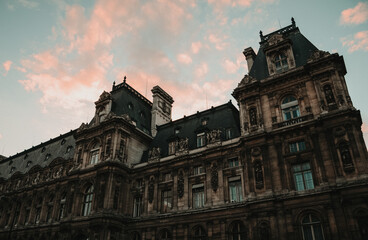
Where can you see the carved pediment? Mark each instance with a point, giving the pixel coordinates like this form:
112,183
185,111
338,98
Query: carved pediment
317,55
273,40
246,80
154,154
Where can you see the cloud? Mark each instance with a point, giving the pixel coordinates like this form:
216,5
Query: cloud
184,58
1,136
196,46
219,42
358,42
7,65
356,15
28,4
201,70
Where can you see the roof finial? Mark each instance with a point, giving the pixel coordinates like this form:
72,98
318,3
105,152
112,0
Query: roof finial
124,79
113,85
292,21
261,35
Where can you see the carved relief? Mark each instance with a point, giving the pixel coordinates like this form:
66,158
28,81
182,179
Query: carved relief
180,184
214,177
213,136
151,190
154,154
258,174
317,55
253,116
182,145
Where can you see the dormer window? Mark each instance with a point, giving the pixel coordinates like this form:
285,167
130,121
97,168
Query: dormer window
172,147
201,140
290,108
281,63
95,153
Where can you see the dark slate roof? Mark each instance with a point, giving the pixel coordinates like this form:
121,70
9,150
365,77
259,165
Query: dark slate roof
218,118
54,148
126,100
301,46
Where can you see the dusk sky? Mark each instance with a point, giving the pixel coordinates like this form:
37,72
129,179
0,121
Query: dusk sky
57,57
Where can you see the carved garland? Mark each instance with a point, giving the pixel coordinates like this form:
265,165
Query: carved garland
180,185
151,190
214,177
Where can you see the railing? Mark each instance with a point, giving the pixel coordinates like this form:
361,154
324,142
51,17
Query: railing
292,121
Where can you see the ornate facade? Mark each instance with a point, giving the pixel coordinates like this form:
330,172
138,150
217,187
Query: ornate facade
291,163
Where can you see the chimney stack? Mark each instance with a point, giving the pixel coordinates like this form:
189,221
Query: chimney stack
161,108
249,56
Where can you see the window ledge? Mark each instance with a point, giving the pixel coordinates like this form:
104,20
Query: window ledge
292,121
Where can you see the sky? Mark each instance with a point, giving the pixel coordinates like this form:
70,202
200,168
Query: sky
57,57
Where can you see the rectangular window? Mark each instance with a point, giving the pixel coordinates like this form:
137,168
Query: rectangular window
167,177
172,148
228,133
297,146
198,197
233,162
166,201
201,140
198,170
303,177
235,191
137,206
94,156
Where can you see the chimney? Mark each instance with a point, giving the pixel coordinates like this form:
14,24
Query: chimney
249,56
161,108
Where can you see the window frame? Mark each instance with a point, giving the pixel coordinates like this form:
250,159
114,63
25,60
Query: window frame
201,140
166,200
235,191
87,201
290,108
137,206
281,62
312,225
198,197
305,172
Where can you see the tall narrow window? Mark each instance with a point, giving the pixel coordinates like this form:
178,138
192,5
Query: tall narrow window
137,206
166,201
38,210
201,140
62,206
237,231
199,233
233,162
172,147
281,63
16,214
50,208
198,197
312,228
303,177
330,99
235,191
27,212
165,235
95,153
228,133
116,197
253,116
87,201
290,108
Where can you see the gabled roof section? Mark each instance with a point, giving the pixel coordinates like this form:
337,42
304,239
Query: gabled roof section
126,100
222,117
301,47
41,155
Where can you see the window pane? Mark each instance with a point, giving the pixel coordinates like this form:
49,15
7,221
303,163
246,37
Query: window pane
299,181
308,180
318,234
307,233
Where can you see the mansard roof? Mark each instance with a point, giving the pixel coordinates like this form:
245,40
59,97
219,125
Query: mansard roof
301,46
126,100
222,117
41,155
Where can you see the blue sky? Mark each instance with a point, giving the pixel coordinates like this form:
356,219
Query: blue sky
57,57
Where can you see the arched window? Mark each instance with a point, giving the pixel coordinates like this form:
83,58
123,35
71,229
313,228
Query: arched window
281,63
329,94
135,236
165,235
312,228
237,231
95,153
199,233
62,206
87,201
290,107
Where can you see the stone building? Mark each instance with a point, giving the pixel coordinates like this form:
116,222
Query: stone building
291,163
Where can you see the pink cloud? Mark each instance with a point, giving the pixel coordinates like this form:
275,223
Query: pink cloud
7,65
201,70
1,136
219,42
232,67
196,46
358,42
356,15
184,58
